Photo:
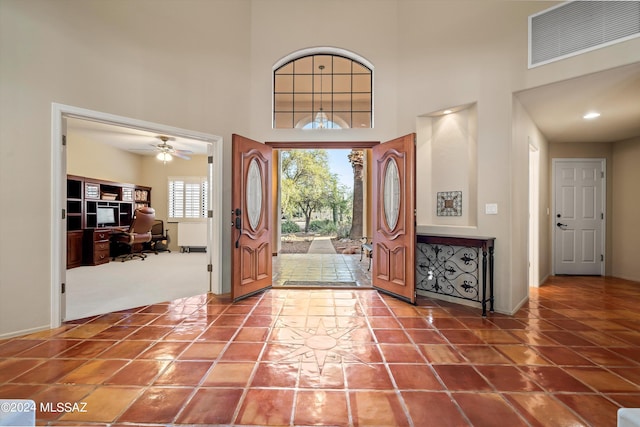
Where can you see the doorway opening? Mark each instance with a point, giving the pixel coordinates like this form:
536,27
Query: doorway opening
60,116
320,190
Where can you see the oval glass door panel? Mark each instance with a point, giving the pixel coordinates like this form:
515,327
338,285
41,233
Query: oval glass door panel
254,194
391,194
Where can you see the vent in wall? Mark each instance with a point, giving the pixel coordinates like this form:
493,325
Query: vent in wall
580,26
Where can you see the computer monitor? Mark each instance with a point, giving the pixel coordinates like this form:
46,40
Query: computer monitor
106,216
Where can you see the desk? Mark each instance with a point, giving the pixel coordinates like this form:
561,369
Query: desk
96,246
450,265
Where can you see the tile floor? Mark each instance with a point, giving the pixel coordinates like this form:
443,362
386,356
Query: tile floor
321,267
569,357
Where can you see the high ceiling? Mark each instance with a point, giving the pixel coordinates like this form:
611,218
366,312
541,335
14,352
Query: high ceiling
556,109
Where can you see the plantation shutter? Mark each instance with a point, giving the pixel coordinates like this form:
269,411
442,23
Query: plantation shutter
188,197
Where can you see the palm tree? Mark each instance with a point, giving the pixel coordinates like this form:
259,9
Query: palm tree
356,158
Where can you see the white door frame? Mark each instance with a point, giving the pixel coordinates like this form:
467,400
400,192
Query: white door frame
59,112
603,163
534,217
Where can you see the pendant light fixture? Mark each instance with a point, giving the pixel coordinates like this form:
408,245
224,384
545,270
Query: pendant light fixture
321,118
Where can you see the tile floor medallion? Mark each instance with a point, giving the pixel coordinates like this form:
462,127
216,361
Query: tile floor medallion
318,345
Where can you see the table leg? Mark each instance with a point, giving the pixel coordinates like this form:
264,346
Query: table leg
491,279
484,282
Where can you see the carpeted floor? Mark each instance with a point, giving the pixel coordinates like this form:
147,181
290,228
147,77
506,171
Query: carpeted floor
119,285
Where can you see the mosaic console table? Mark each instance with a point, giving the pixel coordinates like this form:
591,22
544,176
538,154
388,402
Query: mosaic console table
450,265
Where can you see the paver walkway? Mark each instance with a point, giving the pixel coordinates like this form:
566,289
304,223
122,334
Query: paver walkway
321,245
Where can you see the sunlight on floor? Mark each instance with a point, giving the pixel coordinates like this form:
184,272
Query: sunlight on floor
321,267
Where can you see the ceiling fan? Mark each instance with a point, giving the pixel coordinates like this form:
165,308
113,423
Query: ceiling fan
166,151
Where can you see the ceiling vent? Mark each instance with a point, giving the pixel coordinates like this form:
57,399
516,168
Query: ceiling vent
580,26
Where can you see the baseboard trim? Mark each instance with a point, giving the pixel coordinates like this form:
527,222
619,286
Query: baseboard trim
24,332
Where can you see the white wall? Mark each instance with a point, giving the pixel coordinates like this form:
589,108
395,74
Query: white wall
364,27
185,64
452,55
205,65
625,230
85,157
526,133
446,152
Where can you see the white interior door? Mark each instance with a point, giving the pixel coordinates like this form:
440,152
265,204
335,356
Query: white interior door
579,216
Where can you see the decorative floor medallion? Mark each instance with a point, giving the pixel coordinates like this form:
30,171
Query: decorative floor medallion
322,345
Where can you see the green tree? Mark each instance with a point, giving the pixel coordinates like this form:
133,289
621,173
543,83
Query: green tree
356,158
307,184
339,201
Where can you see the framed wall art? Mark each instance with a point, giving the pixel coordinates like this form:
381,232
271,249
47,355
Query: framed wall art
449,203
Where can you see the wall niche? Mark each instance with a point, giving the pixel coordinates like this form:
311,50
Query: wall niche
446,152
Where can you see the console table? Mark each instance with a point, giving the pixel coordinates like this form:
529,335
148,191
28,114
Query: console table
450,265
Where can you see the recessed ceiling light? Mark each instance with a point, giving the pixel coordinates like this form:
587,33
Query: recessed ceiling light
447,112
591,115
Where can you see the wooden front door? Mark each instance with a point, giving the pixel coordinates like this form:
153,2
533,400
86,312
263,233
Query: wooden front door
394,200
251,221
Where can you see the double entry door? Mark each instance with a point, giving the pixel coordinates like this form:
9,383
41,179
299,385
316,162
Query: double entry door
393,217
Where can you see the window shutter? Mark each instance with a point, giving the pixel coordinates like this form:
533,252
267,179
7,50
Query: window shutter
188,197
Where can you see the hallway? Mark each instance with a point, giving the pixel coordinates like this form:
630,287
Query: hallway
570,356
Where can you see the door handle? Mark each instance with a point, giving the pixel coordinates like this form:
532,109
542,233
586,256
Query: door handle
238,225
561,225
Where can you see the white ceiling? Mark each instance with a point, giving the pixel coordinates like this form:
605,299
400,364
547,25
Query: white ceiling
556,109
137,141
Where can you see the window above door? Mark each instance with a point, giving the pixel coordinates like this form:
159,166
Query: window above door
322,90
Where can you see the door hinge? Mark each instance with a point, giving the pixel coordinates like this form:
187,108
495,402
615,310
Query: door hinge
64,140
601,174
210,213
210,160
63,288
601,215
601,257
64,213
209,268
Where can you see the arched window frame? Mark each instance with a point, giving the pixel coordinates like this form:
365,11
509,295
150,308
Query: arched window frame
329,51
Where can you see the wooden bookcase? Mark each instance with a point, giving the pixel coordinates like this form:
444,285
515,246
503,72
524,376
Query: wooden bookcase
85,198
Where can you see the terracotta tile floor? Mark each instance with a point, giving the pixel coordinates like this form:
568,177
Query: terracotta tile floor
569,357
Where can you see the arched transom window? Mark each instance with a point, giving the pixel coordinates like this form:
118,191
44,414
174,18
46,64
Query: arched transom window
322,91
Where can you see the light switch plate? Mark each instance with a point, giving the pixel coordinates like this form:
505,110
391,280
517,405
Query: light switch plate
491,209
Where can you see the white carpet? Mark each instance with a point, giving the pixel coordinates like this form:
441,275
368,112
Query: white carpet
119,285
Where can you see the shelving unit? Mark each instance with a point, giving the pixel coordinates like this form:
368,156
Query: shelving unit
85,197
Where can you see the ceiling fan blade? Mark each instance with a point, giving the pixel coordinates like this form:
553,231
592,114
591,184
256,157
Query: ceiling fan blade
180,155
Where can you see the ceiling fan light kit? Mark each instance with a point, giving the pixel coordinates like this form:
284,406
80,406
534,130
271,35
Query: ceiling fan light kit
167,152
164,157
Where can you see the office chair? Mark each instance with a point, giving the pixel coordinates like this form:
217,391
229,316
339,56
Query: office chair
139,232
159,238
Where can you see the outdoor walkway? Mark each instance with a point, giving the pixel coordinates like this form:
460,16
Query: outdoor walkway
321,245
